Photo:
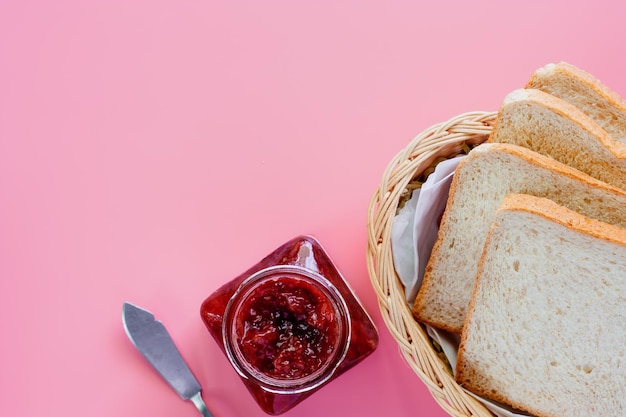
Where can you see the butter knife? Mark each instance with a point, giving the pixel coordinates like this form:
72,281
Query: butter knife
155,344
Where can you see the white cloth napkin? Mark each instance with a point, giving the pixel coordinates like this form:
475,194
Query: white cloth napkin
414,229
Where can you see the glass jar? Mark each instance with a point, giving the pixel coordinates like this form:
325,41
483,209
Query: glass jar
289,325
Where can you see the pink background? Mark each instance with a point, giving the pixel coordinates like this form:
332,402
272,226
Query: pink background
152,150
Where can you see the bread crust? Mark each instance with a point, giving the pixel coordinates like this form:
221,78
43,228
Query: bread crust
550,210
549,163
545,76
566,110
575,73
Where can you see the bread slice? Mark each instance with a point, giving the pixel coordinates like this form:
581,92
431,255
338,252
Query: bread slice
583,90
553,127
545,332
481,181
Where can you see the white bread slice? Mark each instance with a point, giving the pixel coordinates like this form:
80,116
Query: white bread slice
553,127
545,332
481,181
583,90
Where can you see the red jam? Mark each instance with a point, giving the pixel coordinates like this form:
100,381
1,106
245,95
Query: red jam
289,325
287,328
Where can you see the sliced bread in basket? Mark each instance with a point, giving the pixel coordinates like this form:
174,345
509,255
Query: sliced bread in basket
546,326
482,180
583,90
553,127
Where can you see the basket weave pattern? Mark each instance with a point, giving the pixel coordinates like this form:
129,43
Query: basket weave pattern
444,140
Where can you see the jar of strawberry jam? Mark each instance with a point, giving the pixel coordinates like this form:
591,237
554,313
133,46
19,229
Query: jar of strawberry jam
289,325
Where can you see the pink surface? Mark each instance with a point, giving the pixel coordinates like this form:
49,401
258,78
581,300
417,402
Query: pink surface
152,150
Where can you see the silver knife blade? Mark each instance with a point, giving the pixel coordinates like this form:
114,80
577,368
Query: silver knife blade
155,344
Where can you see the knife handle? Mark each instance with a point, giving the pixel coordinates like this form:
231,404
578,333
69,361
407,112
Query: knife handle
200,405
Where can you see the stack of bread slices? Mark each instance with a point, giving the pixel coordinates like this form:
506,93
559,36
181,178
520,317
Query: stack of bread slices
529,266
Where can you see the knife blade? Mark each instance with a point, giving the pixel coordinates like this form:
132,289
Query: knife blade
153,341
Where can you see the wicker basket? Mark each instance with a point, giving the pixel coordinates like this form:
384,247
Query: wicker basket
444,140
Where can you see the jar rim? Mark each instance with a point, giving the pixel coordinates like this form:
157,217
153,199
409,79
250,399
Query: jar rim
284,385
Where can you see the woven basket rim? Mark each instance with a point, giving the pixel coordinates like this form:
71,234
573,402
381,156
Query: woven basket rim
446,139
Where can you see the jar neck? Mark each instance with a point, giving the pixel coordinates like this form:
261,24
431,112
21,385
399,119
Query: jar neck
340,328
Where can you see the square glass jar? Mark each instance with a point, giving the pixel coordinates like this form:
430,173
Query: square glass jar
290,324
